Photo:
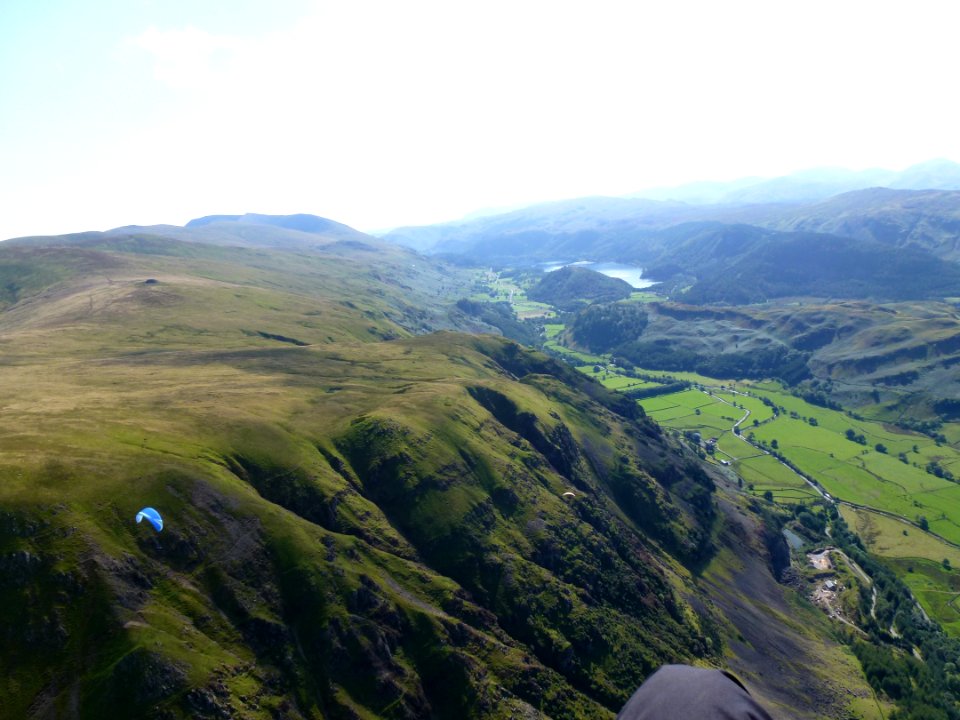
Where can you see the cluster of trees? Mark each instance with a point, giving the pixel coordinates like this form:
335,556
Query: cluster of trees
649,392
776,362
819,398
948,409
603,327
934,468
930,428
897,675
501,316
853,436
815,521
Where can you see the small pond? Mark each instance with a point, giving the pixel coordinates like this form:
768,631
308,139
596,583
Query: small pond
793,540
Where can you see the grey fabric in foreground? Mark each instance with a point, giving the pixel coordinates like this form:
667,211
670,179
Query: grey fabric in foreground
682,692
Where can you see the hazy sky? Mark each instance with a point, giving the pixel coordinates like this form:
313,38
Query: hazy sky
385,112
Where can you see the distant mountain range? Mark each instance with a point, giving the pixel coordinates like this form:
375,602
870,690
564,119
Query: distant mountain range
810,185
747,241
282,232
880,243
610,228
301,222
927,219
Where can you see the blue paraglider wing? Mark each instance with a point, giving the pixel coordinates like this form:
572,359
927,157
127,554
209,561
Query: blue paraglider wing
153,516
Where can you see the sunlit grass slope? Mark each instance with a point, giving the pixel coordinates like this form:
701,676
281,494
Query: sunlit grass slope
361,521
350,478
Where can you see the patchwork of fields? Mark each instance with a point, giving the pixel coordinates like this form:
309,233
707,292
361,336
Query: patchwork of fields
884,468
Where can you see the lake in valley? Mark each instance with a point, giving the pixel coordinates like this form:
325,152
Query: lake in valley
631,273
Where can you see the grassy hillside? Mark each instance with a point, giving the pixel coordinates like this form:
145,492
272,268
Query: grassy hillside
361,520
306,504
824,266
203,294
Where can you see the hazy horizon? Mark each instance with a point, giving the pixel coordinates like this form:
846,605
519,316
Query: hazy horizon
380,115
659,194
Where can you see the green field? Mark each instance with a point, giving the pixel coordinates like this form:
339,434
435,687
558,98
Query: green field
492,286
885,536
692,377
641,296
692,410
765,472
551,330
581,358
532,309
689,399
614,380
758,411
730,447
